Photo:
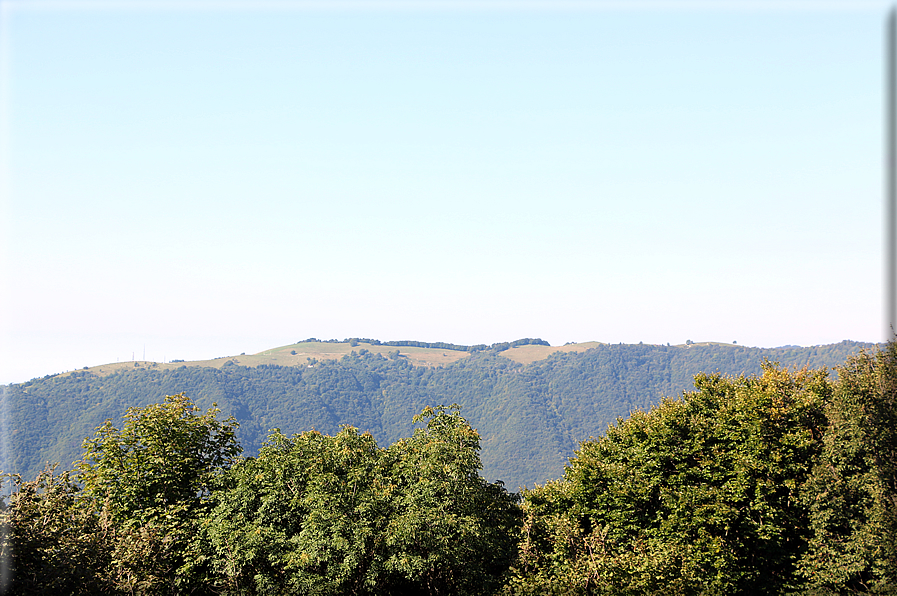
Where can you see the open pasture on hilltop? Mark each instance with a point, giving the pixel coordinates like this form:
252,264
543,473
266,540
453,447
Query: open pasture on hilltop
298,354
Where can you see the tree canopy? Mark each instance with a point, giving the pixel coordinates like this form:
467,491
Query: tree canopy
784,482
771,484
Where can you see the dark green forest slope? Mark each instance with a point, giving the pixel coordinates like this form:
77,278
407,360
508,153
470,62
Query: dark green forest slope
530,417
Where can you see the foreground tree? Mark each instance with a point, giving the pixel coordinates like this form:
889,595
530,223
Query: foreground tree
53,543
153,479
167,454
302,517
450,531
701,495
314,514
783,483
122,523
852,493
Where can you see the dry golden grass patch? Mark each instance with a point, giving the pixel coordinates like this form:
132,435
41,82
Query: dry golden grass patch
530,354
284,356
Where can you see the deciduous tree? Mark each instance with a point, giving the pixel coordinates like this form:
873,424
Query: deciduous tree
153,479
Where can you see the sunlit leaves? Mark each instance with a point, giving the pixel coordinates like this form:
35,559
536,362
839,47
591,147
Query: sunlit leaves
698,495
153,478
165,454
315,514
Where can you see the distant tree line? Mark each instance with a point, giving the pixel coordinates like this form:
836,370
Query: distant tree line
439,345
783,482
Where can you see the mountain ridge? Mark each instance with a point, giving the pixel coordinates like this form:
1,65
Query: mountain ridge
531,413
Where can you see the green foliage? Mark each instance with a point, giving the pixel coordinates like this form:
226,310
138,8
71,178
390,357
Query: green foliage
852,493
53,543
451,532
783,482
153,478
314,514
701,495
299,518
166,454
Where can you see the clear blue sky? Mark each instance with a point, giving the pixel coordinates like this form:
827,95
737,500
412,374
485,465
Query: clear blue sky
220,178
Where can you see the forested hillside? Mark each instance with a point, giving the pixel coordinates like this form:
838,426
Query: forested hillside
783,482
530,417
